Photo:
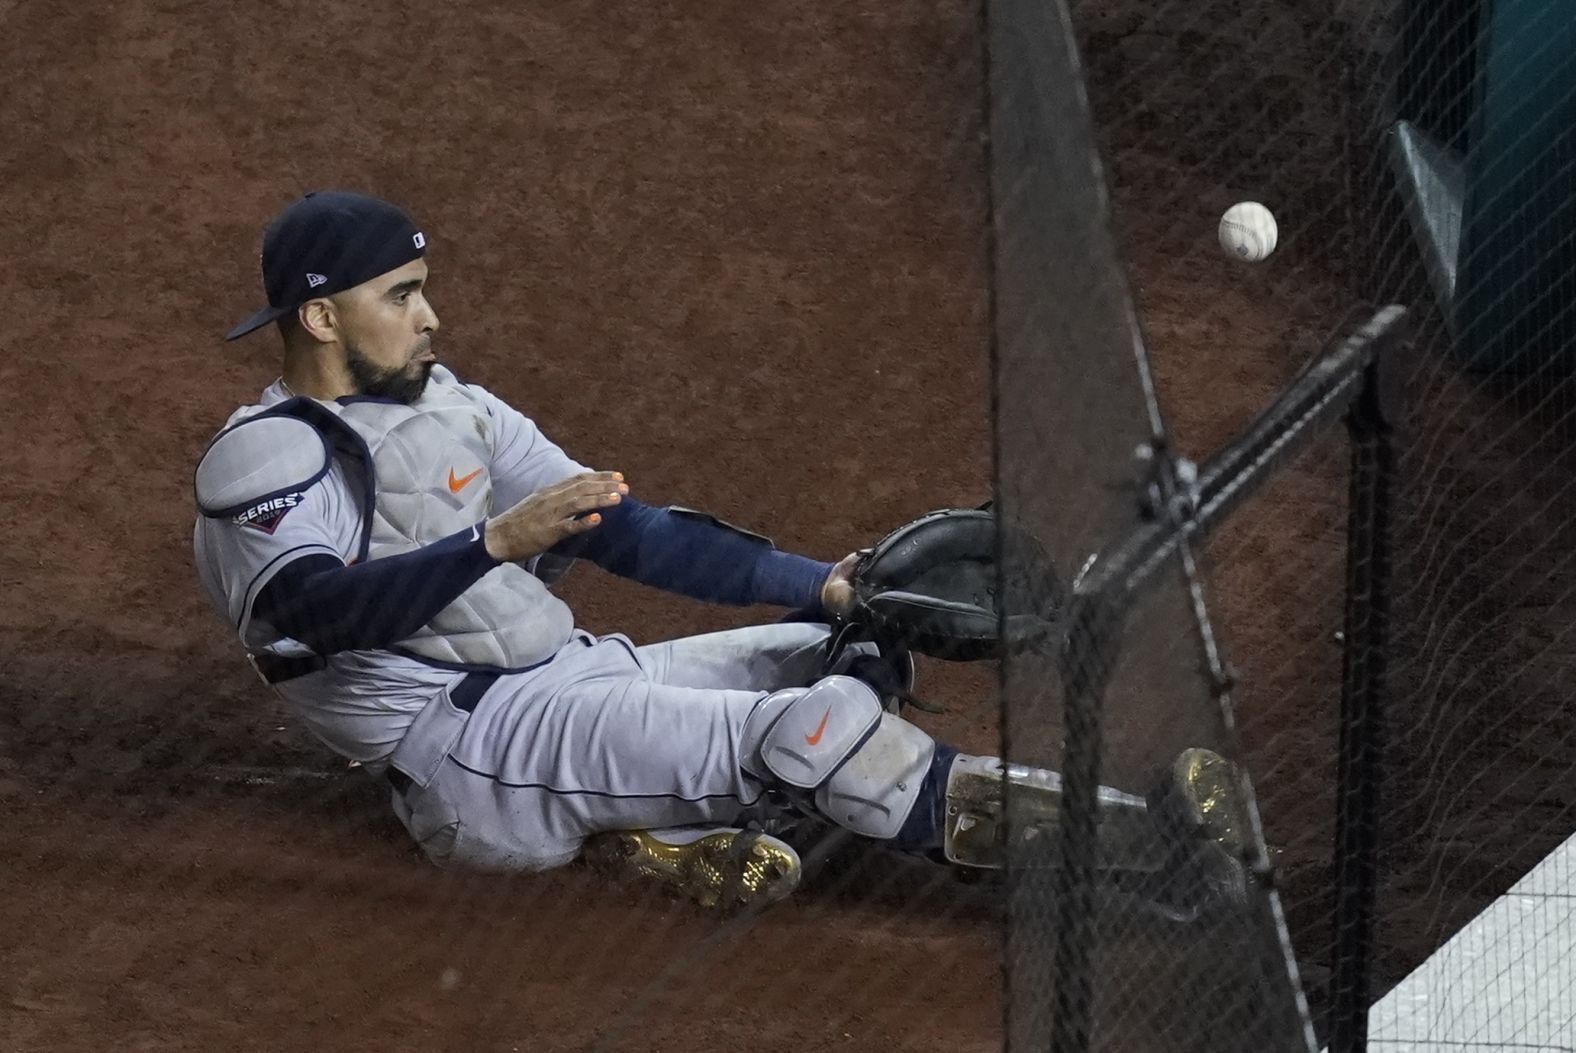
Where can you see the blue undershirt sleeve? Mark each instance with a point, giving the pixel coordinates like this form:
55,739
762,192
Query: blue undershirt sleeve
697,556
331,607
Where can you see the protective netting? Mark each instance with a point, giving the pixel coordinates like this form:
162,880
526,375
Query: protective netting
1107,957
1415,154
1478,755
754,257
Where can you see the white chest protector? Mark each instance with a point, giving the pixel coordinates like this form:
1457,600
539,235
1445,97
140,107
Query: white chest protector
431,463
429,478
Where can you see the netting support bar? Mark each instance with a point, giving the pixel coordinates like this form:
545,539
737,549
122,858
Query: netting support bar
1363,693
1103,596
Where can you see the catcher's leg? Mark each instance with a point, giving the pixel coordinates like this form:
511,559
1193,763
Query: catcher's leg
837,753
605,762
729,867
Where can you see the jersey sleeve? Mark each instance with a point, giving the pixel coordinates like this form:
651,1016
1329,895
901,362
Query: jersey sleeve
237,556
524,460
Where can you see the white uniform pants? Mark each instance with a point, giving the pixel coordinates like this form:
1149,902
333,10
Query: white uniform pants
606,736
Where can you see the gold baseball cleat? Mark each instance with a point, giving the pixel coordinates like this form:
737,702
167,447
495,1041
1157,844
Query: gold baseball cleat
1206,790
724,869
1199,805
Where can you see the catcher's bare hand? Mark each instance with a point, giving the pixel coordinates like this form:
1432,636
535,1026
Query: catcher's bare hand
837,594
553,513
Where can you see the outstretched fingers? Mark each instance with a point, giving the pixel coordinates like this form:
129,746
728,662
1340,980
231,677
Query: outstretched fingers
581,498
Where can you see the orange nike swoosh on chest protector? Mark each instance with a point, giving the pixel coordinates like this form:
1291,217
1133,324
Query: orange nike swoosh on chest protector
456,485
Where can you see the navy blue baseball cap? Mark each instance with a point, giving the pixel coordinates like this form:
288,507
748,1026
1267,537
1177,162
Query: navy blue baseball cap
327,242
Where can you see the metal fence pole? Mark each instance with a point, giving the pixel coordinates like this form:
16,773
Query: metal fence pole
1363,696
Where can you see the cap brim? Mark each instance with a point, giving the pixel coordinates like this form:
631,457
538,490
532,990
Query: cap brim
258,320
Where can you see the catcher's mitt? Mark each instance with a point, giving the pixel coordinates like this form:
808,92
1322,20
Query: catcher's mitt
931,586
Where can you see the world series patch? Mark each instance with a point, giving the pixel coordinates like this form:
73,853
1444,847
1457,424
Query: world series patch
267,515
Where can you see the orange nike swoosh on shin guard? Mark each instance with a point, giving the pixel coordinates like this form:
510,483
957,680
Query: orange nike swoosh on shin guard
820,729
456,485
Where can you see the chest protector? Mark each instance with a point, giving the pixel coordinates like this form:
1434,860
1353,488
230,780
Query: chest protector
424,475
430,461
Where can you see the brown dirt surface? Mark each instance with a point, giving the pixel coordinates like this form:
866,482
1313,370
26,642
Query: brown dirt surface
736,254
739,255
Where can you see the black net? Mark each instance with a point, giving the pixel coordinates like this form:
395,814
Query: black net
745,256
1470,151
1101,953
1411,153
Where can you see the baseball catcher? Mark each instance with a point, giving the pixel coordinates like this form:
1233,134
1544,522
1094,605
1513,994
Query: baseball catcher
384,538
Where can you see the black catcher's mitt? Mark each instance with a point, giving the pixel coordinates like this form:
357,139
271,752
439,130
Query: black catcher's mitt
931,586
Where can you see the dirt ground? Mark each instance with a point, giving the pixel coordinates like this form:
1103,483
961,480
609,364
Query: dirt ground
737,254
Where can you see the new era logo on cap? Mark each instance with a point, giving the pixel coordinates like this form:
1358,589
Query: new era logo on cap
336,239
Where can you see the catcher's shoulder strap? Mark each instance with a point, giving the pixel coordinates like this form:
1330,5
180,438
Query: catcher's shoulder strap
261,458
266,458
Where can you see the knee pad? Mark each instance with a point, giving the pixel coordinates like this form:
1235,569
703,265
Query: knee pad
833,748
889,669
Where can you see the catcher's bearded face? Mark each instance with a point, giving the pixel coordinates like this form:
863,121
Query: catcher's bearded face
385,332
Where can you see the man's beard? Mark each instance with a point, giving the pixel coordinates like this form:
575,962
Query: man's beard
402,384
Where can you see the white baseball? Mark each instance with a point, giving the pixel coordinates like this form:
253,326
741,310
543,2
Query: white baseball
1248,231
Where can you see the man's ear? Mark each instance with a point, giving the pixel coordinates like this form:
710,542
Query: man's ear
319,321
